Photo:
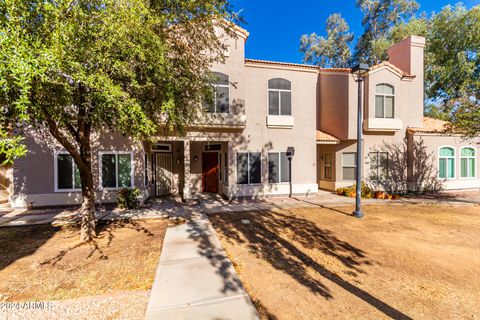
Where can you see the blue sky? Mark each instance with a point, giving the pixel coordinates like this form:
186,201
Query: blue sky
276,26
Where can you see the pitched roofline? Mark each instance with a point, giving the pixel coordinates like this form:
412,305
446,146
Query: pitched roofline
391,66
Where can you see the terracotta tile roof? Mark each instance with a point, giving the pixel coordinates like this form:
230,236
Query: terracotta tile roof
431,125
283,64
392,66
346,70
325,137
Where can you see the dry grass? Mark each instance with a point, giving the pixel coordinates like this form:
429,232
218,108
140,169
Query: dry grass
50,263
401,261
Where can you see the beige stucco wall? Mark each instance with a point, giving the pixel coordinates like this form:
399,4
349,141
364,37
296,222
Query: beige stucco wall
33,175
435,142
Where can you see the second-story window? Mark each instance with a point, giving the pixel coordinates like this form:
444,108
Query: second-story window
384,101
279,97
221,94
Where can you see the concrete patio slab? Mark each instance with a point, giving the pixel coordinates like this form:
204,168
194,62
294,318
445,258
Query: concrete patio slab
195,279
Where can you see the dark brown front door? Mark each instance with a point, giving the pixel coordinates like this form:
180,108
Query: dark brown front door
210,172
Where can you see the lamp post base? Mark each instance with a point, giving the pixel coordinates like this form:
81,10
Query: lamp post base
358,214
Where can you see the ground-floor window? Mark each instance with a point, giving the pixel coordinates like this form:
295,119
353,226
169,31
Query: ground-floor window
467,162
349,165
278,167
328,166
116,169
67,175
249,167
378,165
446,164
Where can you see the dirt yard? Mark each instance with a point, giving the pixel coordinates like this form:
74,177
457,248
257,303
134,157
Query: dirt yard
400,261
42,262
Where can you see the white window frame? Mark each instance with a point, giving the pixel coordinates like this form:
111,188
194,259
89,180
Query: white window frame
448,157
205,146
349,166
55,172
100,172
474,157
378,175
215,86
168,145
279,169
384,97
248,169
330,165
279,99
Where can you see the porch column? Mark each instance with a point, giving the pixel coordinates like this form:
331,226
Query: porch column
186,185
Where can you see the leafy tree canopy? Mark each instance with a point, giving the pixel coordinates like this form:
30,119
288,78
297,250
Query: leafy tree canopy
452,63
379,16
333,51
74,68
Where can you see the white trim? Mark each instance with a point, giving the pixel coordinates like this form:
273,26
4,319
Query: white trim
55,172
448,157
211,144
279,98
331,166
215,95
384,98
389,69
474,157
276,121
349,166
100,173
162,145
248,169
279,169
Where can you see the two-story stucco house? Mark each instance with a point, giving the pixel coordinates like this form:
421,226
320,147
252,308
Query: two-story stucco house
261,110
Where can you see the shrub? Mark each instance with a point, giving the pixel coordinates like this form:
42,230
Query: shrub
352,190
128,198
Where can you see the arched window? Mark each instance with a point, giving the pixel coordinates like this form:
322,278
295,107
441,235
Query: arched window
467,162
384,101
446,164
279,97
221,96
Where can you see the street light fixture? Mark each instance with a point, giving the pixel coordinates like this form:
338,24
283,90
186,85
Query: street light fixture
360,71
290,153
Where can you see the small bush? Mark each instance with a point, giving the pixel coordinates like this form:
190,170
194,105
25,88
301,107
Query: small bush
128,198
352,190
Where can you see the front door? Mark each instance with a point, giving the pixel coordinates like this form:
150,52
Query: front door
210,172
163,173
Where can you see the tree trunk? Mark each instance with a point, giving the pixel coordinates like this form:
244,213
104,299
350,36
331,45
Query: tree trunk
87,210
87,229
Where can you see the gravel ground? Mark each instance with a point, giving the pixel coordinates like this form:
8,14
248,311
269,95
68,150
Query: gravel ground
129,305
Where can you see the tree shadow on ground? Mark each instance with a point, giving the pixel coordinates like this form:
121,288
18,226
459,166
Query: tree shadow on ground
199,232
280,237
105,229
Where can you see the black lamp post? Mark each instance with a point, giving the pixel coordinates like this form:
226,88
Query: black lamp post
359,70
290,153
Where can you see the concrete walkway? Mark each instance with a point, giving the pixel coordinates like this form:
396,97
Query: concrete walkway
195,279
211,204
